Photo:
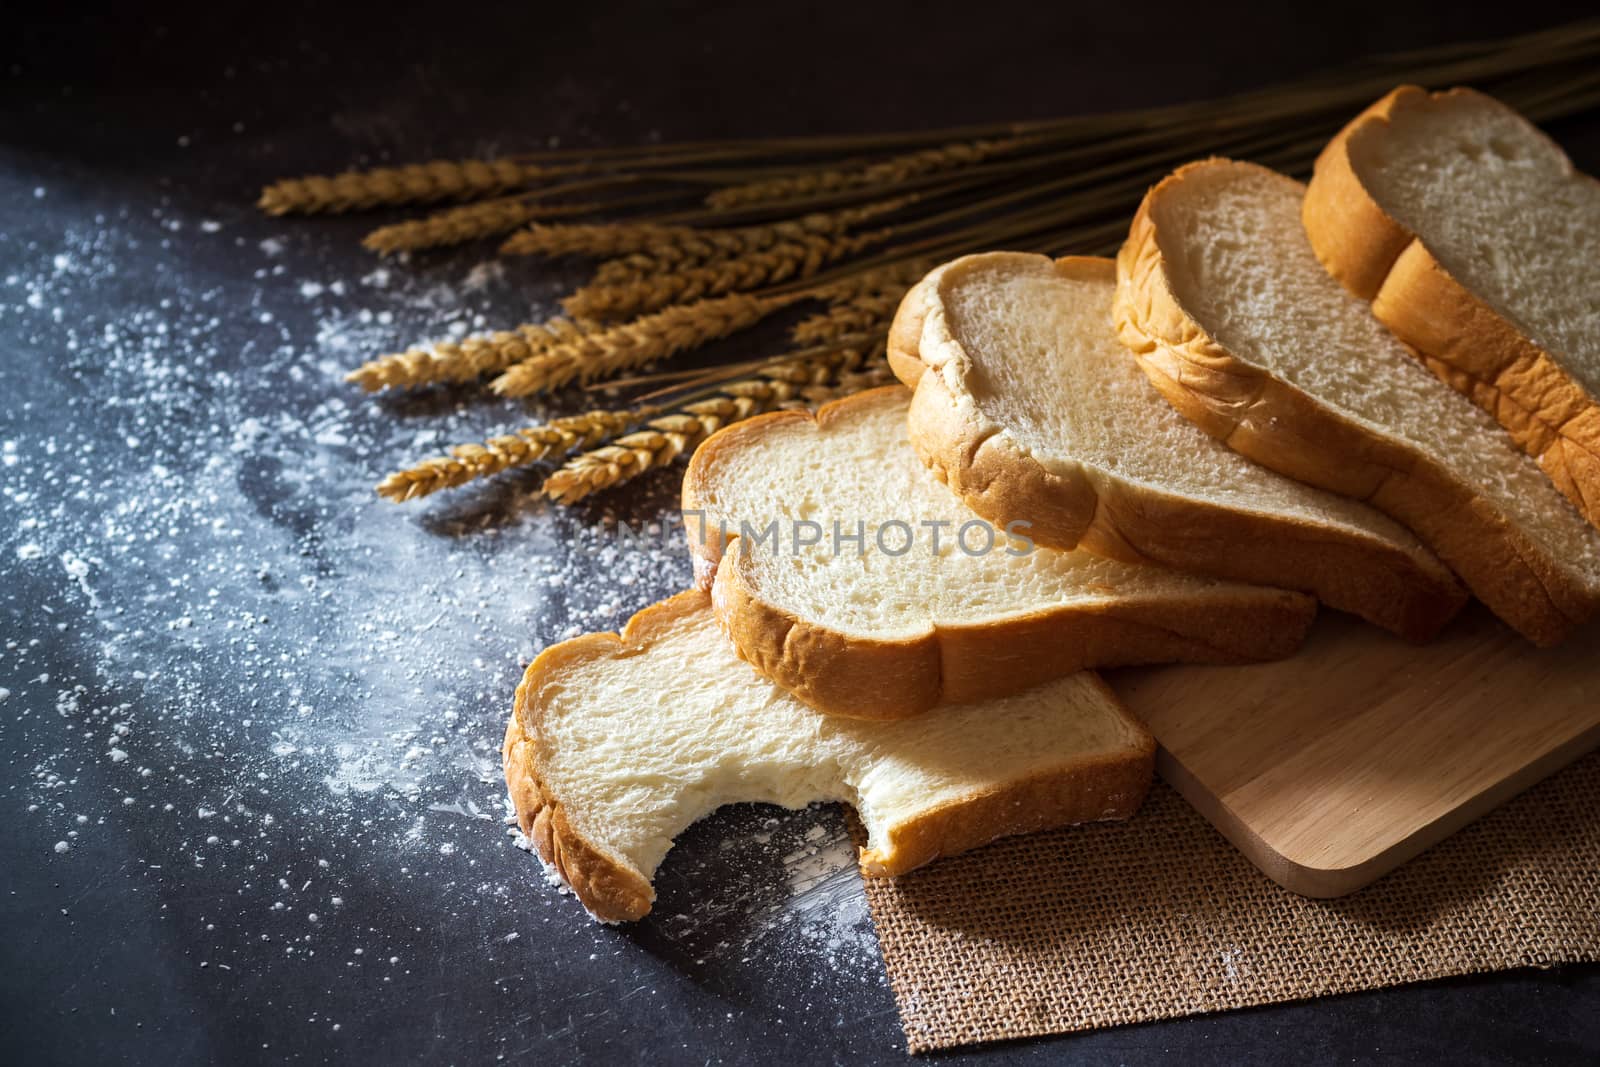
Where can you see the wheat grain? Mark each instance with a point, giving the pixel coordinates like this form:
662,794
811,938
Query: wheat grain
467,359
779,263
885,173
469,462
418,183
666,333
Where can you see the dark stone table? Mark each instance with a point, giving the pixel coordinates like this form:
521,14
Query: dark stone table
249,714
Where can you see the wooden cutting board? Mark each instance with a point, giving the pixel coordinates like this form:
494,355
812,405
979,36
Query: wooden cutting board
1331,768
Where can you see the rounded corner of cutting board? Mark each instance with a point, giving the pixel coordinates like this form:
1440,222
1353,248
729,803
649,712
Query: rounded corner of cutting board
1280,757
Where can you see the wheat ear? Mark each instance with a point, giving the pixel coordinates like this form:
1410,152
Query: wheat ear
893,278
418,183
664,439
467,463
469,222
468,359
628,238
856,315
887,172
633,344
788,259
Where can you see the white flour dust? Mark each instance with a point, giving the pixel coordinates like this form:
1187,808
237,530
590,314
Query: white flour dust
292,679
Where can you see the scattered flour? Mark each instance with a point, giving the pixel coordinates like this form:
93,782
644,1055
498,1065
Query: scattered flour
286,673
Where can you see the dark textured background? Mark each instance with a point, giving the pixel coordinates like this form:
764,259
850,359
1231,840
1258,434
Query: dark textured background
141,942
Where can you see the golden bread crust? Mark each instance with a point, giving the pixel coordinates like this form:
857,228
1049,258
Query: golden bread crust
1458,336
1281,427
612,891
1070,506
865,678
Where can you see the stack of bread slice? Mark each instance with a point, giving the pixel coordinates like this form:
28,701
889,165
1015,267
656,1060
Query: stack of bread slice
1173,457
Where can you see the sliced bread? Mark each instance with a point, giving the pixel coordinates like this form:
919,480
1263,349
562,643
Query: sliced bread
1028,406
1479,245
893,624
618,743
1232,317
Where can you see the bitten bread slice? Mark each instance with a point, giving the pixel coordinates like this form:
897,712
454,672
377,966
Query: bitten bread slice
1229,313
865,629
1479,245
1028,406
617,744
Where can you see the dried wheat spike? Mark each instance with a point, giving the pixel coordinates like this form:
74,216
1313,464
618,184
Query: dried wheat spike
893,278
641,266
799,258
467,359
886,172
629,238
856,315
666,333
417,183
459,225
664,439
467,463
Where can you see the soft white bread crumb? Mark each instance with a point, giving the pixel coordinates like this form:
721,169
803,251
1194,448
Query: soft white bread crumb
1478,243
1032,409
1234,319
1501,207
870,631
618,745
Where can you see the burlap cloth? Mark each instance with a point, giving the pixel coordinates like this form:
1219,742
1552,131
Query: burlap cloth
1160,917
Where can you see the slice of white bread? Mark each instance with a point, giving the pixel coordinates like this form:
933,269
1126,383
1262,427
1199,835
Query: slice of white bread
1028,406
1478,244
875,634
617,744
1229,313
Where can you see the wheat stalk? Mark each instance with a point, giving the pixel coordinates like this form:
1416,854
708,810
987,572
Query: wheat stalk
779,263
467,463
468,359
417,183
885,173
644,340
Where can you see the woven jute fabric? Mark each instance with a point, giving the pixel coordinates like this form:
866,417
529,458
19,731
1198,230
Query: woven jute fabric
1159,917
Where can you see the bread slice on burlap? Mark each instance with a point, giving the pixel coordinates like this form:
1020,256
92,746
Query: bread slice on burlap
1028,406
618,743
1228,311
1478,244
891,625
